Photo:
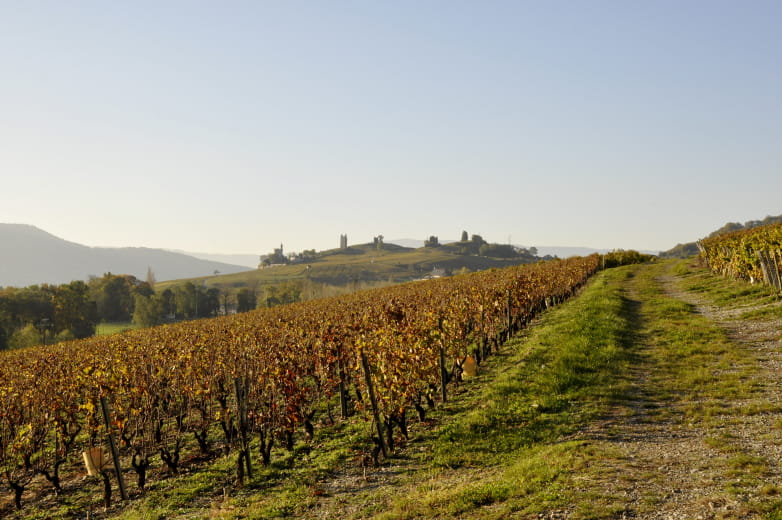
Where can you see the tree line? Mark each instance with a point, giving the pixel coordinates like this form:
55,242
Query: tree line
48,313
43,314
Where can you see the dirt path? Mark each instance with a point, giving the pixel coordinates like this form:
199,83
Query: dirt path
754,434
726,466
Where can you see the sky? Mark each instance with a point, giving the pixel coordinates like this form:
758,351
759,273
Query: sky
232,126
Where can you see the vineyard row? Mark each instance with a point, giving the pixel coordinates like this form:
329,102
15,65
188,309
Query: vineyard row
260,377
753,255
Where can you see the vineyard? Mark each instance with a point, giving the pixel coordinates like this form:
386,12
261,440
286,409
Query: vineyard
753,255
259,378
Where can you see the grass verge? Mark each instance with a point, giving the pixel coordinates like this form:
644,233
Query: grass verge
508,453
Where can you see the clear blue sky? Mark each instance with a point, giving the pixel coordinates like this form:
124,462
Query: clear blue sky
234,126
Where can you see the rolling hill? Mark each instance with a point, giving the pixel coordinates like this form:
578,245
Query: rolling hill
361,265
543,251
33,256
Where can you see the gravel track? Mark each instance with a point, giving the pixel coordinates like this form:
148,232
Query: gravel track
670,469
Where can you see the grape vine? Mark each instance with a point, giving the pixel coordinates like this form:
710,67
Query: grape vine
753,255
257,379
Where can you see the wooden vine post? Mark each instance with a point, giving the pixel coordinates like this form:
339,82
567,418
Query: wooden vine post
343,391
770,268
375,411
240,386
343,395
510,318
443,374
776,267
114,453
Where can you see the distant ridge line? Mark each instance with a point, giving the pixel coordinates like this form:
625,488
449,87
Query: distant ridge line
32,256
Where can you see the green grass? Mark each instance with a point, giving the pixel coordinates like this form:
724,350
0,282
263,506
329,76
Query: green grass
773,312
103,329
573,357
505,453
517,449
696,363
725,292
280,490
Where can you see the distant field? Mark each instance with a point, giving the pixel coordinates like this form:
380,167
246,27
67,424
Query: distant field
103,329
358,265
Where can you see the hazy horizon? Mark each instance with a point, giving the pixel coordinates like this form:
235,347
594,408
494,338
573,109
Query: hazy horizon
233,127
251,259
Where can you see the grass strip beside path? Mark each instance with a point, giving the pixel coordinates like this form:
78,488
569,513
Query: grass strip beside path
509,453
625,401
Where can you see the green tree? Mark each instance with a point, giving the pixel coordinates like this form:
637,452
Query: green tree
148,310
246,300
194,301
139,287
291,292
464,236
65,335
31,304
288,292
186,299
308,255
498,251
7,325
113,297
169,302
211,305
74,311
27,336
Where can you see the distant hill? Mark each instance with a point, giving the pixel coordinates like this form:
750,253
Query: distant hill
32,256
680,251
568,251
736,226
358,266
413,243
543,251
690,249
